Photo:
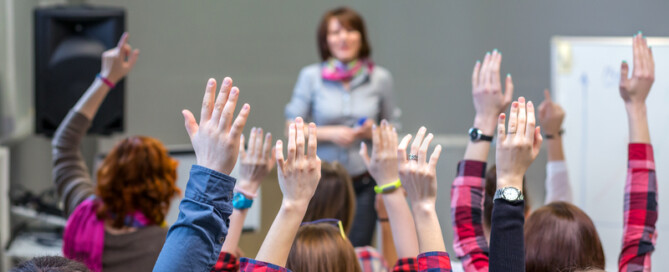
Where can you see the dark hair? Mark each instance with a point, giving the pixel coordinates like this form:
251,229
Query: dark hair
350,19
320,247
561,237
50,264
334,196
137,175
490,188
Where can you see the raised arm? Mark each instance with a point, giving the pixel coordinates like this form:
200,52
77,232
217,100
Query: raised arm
70,173
551,116
640,211
194,241
382,165
467,193
298,174
515,152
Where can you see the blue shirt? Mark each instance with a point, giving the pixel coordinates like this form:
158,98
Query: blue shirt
194,241
328,103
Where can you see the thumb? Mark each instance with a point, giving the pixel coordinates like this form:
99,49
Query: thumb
191,124
624,71
364,155
547,95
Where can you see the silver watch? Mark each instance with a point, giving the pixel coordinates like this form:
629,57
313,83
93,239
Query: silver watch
510,194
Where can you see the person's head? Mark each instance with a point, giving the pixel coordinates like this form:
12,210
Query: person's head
321,247
490,188
137,175
50,264
342,35
334,196
561,237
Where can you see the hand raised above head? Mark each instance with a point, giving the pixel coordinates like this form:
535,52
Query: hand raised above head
551,115
299,173
635,90
489,101
383,163
417,173
118,61
255,161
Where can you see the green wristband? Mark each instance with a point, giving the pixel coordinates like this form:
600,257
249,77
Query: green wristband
388,187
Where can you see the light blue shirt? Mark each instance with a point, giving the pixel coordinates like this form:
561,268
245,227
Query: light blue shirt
328,103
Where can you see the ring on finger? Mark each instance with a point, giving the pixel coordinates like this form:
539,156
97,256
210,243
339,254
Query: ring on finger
413,157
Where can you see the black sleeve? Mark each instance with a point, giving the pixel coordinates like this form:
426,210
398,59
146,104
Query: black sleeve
507,245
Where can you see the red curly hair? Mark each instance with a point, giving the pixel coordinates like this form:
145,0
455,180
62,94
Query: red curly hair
137,175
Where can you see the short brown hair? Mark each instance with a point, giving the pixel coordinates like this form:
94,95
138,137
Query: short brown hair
490,188
350,19
51,264
320,247
137,175
561,237
334,196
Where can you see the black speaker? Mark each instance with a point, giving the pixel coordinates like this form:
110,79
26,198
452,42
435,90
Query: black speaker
69,42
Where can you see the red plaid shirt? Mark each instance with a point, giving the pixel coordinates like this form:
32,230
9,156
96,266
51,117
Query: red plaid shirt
639,234
226,263
467,214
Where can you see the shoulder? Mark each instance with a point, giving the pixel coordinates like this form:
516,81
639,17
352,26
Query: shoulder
311,71
381,73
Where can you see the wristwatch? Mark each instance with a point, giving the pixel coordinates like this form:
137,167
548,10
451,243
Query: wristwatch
510,194
476,135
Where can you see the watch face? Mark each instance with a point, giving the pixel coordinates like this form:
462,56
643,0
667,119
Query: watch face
510,194
474,134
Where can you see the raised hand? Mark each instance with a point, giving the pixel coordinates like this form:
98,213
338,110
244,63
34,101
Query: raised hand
519,146
256,161
118,61
489,101
299,173
216,138
551,115
383,163
635,90
419,175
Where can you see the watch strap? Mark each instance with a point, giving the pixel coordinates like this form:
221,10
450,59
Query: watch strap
499,194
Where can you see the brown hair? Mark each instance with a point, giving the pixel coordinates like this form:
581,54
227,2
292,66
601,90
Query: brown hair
561,237
334,196
490,188
350,19
137,175
51,264
320,247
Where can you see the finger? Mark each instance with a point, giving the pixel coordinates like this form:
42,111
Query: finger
267,147
538,139
376,139
643,50
125,52
291,144
272,158
475,74
278,153
221,100
384,133
422,152
624,73
484,78
133,58
364,154
258,145
501,131
252,142
531,121
508,90
393,138
522,117
651,62
191,124
240,121
299,141
229,109
636,62
208,101
402,149
312,148
242,150
547,95
415,146
494,70
513,118
123,40
434,159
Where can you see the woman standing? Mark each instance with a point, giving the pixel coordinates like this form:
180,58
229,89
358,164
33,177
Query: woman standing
345,94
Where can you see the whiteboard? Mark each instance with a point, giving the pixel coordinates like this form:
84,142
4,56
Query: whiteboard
585,76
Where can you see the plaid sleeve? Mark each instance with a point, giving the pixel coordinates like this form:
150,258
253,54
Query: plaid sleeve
640,215
467,216
249,265
406,265
370,260
434,261
226,263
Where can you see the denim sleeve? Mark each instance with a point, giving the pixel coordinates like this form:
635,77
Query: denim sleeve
194,241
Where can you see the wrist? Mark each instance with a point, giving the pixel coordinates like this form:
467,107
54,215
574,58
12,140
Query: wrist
248,185
510,181
423,209
294,207
486,124
635,108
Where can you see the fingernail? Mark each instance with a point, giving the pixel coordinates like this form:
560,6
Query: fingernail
640,32
234,91
227,80
373,126
495,50
210,82
502,116
624,61
508,75
246,106
478,61
487,53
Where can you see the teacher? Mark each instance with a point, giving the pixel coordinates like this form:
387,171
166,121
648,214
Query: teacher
345,94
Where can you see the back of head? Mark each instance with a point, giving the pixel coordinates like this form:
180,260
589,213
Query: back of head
321,247
490,188
334,196
561,237
137,175
50,264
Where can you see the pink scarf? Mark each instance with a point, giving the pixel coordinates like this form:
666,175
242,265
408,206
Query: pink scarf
334,70
84,236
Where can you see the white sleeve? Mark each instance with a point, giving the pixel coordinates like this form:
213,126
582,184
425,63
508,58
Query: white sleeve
558,187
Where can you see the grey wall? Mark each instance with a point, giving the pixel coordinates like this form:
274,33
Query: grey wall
429,46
